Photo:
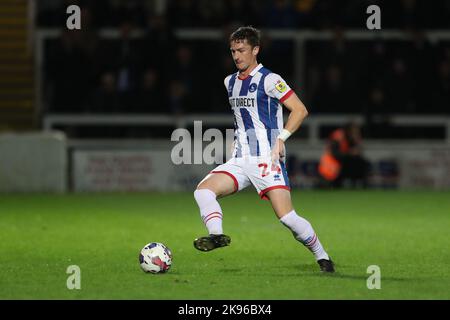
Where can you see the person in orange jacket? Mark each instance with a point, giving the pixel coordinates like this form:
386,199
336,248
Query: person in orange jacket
342,159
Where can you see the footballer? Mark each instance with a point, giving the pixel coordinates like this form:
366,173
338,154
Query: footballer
256,96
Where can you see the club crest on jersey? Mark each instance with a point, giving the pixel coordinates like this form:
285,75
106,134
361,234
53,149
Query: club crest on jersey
281,86
253,87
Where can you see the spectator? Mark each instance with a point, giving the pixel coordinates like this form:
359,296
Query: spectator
177,98
379,61
70,73
442,89
184,73
400,82
183,13
158,45
409,13
151,98
376,113
342,160
331,95
281,15
237,11
127,65
106,98
132,11
304,10
212,13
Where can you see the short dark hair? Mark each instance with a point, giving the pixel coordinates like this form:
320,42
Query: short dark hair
252,35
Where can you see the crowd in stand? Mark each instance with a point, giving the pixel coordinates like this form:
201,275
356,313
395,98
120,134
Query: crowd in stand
313,14
161,73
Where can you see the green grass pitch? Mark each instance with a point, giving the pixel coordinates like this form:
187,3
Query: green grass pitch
405,233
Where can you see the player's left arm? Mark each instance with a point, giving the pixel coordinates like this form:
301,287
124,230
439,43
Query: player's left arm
298,113
276,87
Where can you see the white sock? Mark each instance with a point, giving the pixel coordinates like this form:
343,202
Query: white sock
210,210
303,232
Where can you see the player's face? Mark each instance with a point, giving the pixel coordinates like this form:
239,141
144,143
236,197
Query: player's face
243,54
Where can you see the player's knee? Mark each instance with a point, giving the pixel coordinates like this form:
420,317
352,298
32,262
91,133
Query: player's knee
204,195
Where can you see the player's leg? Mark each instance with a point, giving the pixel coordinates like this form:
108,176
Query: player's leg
220,183
273,184
214,186
302,230
224,180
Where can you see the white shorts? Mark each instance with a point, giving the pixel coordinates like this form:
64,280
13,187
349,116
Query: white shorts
256,171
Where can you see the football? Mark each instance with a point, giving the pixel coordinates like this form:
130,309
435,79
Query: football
155,257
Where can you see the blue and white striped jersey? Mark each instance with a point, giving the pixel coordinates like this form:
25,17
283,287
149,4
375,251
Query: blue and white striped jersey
258,113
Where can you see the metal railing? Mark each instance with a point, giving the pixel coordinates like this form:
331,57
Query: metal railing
312,123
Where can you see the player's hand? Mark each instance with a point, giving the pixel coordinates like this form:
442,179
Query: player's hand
278,153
